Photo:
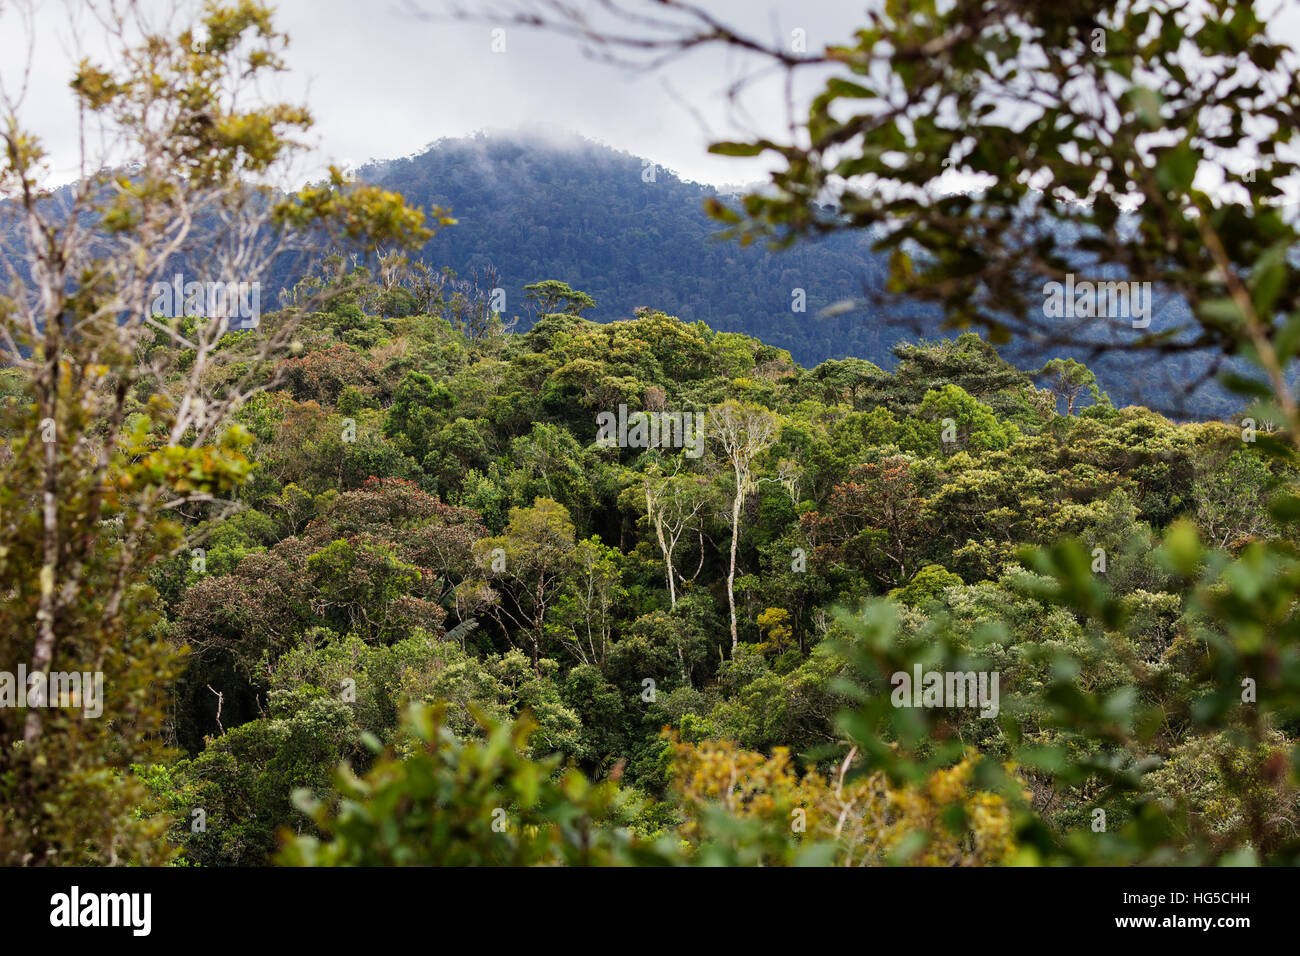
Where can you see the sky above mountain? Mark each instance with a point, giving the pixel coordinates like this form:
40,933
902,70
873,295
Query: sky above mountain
385,79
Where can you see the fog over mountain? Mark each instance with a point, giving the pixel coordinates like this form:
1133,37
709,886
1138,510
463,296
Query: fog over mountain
535,203
539,204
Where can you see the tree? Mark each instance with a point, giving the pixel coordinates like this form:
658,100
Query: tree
744,432
417,412
243,780
530,561
175,135
553,296
1069,380
849,821
589,609
967,361
874,522
470,306
1232,501
362,587
837,380
955,421
467,803
673,502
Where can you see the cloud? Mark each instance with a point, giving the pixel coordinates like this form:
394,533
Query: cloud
383,82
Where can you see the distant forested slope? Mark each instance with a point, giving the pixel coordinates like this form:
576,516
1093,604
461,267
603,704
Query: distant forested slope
534,207
537,207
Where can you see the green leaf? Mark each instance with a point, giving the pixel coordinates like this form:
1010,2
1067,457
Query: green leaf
1221,312
837,86
1267,279
1176,168
726,148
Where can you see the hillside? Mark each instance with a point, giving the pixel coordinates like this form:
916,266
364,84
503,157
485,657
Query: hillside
536,207
531,207
432,518
539,207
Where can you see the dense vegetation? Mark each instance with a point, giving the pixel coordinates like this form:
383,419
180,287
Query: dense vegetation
429,518
377,581
595,222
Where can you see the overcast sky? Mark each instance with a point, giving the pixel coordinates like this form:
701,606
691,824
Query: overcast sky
384,81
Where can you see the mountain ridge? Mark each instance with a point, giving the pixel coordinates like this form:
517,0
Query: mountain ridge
544,205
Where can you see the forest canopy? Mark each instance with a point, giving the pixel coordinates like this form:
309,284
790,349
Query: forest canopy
377,575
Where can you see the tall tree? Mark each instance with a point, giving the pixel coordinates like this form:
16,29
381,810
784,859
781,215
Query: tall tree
745,432
175,135
530,561
1069,380
673,504
553,296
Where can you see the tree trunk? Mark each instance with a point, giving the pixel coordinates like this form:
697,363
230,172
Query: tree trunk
672,587
43,652
731,570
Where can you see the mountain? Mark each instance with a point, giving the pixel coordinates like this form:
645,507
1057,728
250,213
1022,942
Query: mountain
538,206
629,234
